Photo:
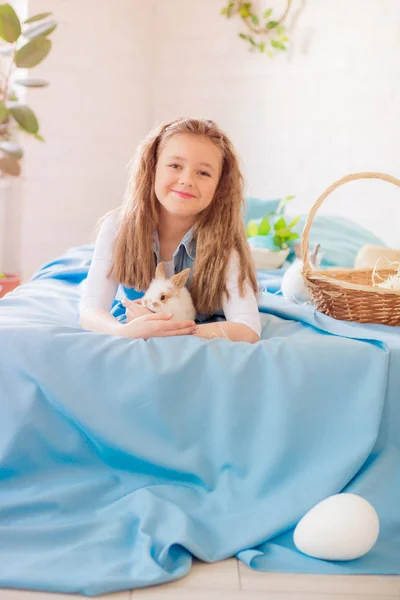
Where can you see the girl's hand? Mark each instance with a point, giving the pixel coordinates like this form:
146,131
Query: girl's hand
157,325
134,309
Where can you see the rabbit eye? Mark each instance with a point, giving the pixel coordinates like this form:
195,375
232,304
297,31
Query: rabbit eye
162,298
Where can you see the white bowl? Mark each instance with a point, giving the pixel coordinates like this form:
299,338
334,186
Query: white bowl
269,259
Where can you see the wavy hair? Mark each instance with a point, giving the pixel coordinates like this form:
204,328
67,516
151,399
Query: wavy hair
218,230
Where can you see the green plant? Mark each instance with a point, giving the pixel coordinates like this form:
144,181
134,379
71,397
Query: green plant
27,44
264,34
274,224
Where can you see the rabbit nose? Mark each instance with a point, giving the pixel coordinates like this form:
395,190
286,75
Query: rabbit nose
149,304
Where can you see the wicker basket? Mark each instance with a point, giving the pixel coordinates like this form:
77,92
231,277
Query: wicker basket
348,294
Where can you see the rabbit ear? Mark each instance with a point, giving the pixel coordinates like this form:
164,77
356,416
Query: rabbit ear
160,273
180,278
313,257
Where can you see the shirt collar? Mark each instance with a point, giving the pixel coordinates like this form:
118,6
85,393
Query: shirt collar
188,242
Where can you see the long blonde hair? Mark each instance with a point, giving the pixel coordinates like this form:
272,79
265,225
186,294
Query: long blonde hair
218,230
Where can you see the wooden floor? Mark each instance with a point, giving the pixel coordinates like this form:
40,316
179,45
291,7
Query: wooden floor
232,580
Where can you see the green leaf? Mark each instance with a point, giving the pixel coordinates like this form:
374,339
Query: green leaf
278,45
3,111
12,149
293,236
31,82
227,11
251,40
294,222
244,12
43,29
243,36
25,117
33,53
280,224
288,198
37,136
283,233
255,19
271,24
10,26
270,53
277,241
262,47
38,17
252,229
280,29
10,166
281,206
284,38
265,227
267,14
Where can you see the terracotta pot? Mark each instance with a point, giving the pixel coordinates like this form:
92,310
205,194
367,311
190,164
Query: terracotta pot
8,283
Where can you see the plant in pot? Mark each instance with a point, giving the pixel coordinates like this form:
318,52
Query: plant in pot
22,46
271,237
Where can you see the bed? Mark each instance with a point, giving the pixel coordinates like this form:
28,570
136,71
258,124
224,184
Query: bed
122,459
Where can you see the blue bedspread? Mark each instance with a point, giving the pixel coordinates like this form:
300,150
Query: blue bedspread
121,459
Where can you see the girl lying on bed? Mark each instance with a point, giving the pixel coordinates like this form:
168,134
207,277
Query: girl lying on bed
183,210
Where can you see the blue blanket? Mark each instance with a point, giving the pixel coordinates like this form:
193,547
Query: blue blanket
121,459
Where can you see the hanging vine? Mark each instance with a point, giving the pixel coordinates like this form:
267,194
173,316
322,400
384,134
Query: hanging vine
264,34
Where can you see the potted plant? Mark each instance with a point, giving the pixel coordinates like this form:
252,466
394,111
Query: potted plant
271,237
22,46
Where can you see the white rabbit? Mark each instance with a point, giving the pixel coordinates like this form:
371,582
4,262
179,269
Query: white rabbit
293,285
170,295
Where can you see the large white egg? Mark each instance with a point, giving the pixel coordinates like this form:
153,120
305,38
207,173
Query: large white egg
341,527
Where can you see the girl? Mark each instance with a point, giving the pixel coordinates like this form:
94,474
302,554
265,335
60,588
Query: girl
183,208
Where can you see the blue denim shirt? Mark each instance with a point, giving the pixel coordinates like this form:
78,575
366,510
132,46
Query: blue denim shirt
184,257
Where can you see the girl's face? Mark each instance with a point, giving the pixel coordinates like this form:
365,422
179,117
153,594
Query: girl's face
187,174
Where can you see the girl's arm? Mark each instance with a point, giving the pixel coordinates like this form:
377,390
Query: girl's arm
235,332
99,290
144,327
243,322
99,320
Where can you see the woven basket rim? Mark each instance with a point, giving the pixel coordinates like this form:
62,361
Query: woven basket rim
318,276
314,277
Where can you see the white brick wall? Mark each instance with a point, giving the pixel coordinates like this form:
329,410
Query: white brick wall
328,108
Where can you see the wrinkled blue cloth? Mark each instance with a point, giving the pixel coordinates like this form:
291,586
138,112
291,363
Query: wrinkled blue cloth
121,459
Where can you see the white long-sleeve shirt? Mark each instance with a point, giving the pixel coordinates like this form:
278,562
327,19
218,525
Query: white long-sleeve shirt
100,291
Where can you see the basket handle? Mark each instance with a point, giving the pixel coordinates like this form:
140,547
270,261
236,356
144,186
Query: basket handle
332,188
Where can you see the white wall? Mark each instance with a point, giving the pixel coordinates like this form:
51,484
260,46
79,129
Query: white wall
93,114
300,122
328,108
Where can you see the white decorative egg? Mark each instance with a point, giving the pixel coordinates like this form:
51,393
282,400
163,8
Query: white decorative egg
341,527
